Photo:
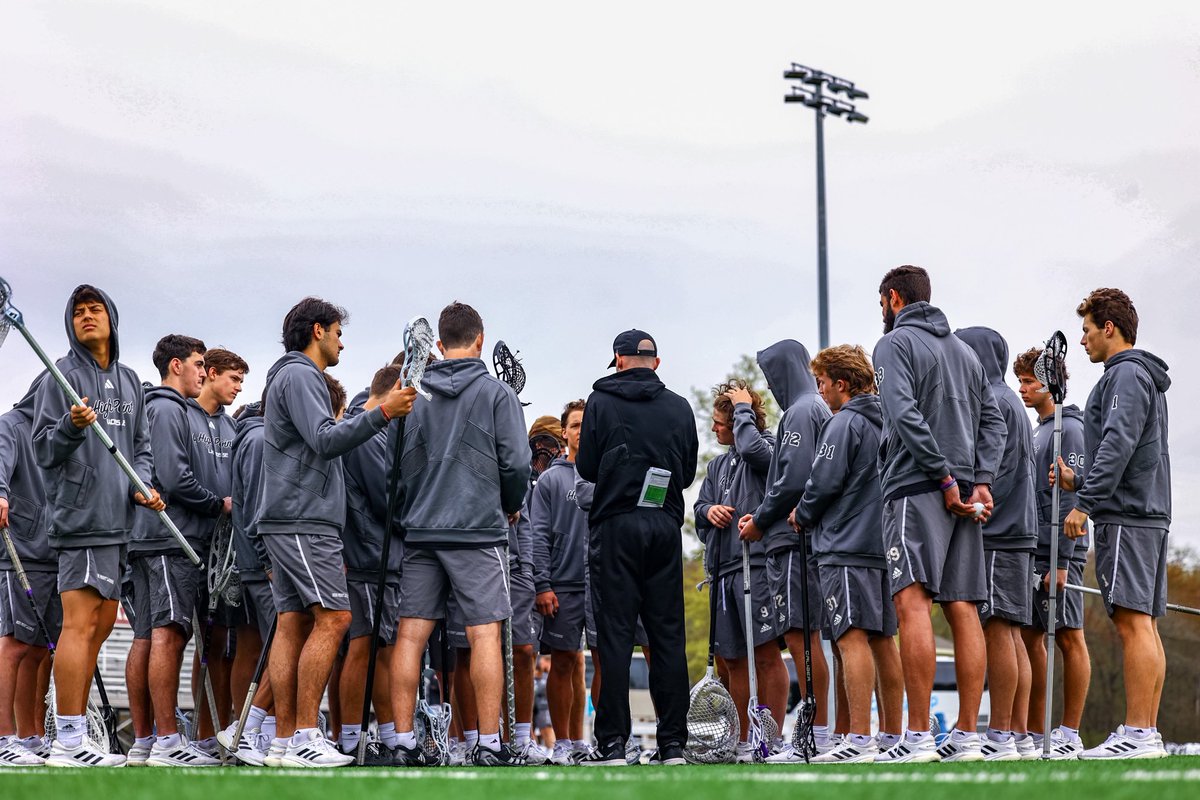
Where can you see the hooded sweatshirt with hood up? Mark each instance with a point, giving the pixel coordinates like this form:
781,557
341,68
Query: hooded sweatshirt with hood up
252,560
634,422
842,505
1125,426
938,416
22,486
560,530
1013,524
1074,456
465,464
737,478
304,488
366,468
89,497
785,365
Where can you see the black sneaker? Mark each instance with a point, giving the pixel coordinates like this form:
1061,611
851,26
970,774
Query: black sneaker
486,757
669,755
415,757
610,754
379,755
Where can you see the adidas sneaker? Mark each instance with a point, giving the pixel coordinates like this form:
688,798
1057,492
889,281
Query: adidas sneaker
849,753
84,755
314,751
960,746
1120,744
1002,750
185,754
13,754
907,751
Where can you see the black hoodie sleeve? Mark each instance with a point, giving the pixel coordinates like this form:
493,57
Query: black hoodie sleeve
587,460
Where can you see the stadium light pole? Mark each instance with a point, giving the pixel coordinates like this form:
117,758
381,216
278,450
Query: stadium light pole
822,103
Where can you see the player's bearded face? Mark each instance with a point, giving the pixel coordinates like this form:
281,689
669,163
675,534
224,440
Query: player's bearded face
889,316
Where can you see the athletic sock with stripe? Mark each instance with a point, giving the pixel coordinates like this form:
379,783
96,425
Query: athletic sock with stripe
349,738
170,742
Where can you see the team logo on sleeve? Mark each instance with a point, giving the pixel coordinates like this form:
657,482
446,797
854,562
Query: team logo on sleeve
878,375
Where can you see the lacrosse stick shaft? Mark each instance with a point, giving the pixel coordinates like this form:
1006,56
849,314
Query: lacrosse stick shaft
754,734
134,479
1170,606
204,688
259,669
1052,588
510,696
808,707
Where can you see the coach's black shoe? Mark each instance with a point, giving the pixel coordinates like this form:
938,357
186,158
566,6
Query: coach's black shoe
668,755
486,757
414,757
379,755
609,754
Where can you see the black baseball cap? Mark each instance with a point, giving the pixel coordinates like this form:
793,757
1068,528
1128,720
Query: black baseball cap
626,344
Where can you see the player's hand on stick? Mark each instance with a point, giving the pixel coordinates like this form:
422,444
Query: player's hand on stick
1076,524
1068,476
720,516
227,506
739,395
1060,582
3,513
399,401
748,531
792,521
154,502
82,415
547,604
514,518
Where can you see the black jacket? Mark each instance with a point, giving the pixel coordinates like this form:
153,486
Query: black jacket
633,422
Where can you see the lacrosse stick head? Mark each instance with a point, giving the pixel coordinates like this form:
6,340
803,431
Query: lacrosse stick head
8,314
419,343
712,723
508,367
763,729
804,739
95,730
1051,367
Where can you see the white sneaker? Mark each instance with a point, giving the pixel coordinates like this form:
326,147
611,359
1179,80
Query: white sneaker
1026,747
829,743
85,755
276,750
315,751
1003,750
960,746
562,754
1121,745
14,754
137,755
743,753
532,754
460,755
849,753
186,754
907,752
786,755
250,749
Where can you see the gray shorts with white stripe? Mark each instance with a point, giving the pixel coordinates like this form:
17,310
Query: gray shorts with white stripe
307,570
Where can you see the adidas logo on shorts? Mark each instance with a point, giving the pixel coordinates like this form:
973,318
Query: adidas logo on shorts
983,608
837,620
895,573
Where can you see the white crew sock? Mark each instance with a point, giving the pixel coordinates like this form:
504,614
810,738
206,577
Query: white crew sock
491,741
70,729
471,738
349,738
254,720
387,734
170,742
267,728
523,733
859,740
303,735
407,740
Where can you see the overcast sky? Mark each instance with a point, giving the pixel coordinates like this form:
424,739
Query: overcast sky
575,170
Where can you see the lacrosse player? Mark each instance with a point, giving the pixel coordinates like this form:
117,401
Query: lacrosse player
734,486
91,504
1127,495
943,437
301,519
23,650
1009,538
1072,554
785,365
465,477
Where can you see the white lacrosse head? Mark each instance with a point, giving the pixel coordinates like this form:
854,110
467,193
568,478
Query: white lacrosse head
419,343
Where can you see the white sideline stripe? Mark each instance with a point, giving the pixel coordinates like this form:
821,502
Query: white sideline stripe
167,583
1112,585
308,569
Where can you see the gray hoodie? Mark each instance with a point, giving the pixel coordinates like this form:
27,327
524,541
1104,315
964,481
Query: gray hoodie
1073,455
191,474
1125,427
252,560
938,416
465,464
842,506
560,530
1013,525
366,470
737,478
304,489
520,543
89,497
786,367
22,486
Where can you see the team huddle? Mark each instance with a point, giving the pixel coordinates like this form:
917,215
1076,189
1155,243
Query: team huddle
365,545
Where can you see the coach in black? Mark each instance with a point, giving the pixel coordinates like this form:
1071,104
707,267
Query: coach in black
638,445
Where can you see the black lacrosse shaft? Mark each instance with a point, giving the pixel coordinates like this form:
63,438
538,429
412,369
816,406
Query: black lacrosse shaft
259,669
809,704
712,624
380,588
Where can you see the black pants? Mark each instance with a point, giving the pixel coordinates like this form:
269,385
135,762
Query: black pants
636,567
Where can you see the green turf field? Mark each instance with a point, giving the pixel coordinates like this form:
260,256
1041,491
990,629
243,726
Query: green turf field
1143,780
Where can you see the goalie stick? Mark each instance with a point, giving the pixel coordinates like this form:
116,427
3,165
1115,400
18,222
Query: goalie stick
712,719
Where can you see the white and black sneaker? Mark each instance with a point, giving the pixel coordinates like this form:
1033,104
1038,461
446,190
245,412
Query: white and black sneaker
633,752
84,755
14,754
849,753
960,746
611,754
251,748
1002,750
487,757
184,754
1120,744
276,750
533,755
669,755
314,751
743,753
1027,746
137,754
907,751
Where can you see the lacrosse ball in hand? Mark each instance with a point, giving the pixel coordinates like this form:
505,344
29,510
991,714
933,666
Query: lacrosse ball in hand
979,509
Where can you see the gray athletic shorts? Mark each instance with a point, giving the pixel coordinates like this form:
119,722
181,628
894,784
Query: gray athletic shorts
478,578
857,597
1131,566
177,590
926,544
259,605
17,618
564,630
307,571
640,639
97,567
135,598
784,580
1068,605
362,611
527,623
1009,575
766,613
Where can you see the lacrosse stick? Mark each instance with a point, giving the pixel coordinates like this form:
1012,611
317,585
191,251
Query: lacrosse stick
509,370
1050,370
418,344
432,724
12,319
1170,606
712,720
101,723
803,738
761,725
259,669
218,575
508,367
